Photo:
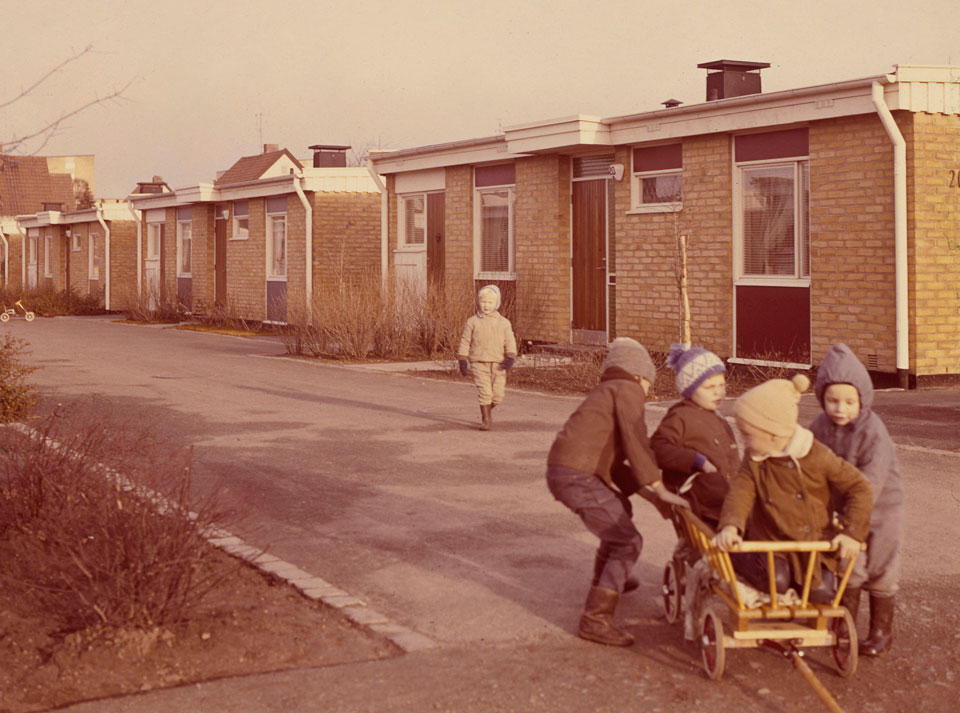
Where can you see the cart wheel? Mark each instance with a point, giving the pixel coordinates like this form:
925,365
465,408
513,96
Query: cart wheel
29,316
671,592
711,643
4,317
845,647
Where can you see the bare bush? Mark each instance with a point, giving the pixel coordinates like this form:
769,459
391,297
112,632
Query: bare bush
16,393
89,546
154,306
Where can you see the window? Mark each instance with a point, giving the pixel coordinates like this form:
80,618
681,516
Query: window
154,236
241,220
75,243
47,255
412,220
94,257
277,244
494,228
656,183
184,240
32,251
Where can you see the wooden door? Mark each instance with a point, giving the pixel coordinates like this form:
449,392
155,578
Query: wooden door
220,261
589,261
436,238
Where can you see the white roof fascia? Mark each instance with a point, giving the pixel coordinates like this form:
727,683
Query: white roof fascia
339,180
457,153
149,201
44,217
258,188
926,88
110,211
573,131
200,193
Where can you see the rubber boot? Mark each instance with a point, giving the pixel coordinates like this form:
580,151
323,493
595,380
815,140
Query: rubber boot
881,626
486,420
599,562
851,600
595,622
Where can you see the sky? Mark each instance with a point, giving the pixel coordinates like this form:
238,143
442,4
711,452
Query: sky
204,82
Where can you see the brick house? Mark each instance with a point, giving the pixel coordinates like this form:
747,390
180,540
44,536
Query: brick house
263,238
821,214
90,251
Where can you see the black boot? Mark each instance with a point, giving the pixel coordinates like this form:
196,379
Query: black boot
881,626
851,600
599,562
486,420
595,622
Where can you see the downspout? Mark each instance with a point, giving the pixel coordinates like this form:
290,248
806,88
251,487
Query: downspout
6,258
298,180
899,233
23,257
106,255
137,216
384,223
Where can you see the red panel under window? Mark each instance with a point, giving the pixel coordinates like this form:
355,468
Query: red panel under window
773,323
500,175
773,144
658,158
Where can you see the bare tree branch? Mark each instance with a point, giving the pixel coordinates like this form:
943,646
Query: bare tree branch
26,92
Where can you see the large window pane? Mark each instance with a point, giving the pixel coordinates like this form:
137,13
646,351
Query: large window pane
769,231
666,188
495,231
414,220
278,247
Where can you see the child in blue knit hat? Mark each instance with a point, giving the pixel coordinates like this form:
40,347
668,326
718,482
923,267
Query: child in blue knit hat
695,446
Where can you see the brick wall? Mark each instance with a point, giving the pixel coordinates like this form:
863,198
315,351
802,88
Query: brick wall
346,238
201,256
79,264
246,269
123,264
14,266
458,228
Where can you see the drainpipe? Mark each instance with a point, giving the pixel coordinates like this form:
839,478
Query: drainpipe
23,257
298,181
137,216
6,258
899,233
384,223
106,256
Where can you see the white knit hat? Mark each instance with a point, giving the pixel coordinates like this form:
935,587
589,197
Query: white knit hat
772,406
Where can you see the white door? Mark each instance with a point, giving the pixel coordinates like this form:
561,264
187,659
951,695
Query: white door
152,264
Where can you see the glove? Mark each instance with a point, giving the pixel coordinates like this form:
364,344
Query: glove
670,498
727,538
846,546
507,363
463,366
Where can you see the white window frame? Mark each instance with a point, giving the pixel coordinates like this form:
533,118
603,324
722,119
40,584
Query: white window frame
32,249
798,278
402,243
184,248
636,191
93,258
154,236
511,272
76,241
47,252
274,219
240,232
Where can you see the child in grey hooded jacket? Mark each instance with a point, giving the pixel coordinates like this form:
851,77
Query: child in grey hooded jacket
487,350
850,428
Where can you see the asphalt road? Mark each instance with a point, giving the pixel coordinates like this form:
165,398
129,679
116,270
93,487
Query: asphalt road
381,484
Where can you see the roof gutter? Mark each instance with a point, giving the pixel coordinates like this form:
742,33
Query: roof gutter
384,223
106,255
298,180
899,232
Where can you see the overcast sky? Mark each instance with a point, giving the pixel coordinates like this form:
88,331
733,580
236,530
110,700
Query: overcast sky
212,80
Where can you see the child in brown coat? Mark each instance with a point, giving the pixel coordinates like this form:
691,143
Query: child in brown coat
695,446
782,490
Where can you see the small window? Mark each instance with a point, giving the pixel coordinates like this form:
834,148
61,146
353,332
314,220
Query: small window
184,246
94,257
241,220
656,183
277,240
494,228
76,242
47,256
413,220
154,237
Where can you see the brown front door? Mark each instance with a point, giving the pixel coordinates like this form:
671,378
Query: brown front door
589,265
436,238
220,262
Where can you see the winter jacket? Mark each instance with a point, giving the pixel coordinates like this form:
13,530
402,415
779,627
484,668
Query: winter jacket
688,436
607,428
487,338
787,497
865,441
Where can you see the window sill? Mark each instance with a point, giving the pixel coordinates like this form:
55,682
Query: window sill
765,362
494,276
237,239
277,278
656,208
773,281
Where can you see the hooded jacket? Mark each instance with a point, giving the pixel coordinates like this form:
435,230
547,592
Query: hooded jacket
487,337
865,441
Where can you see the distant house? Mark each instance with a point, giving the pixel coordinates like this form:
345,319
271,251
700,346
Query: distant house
814,215
259,241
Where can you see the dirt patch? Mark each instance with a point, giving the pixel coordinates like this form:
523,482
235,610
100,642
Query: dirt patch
254,623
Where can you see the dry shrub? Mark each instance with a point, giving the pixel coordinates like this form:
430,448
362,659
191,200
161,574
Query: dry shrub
16,393
89,547
48,301
155,307
440,316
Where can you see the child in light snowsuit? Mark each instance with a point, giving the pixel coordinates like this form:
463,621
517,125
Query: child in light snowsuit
488,350
783,491
854,432
695,446
584,473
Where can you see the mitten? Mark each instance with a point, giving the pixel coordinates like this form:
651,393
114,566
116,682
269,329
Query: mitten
508,362
463,366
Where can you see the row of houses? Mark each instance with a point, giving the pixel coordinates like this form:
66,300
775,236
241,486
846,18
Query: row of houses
814,215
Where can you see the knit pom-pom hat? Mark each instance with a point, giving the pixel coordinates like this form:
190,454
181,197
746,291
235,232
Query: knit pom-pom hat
630,355
772,406
693,366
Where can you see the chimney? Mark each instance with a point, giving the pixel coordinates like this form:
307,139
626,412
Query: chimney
728,78
671,103
329,156
270,148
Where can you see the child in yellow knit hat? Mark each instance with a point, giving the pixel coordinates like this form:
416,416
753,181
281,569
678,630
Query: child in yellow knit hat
782,490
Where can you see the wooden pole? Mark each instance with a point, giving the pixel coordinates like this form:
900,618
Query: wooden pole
684,297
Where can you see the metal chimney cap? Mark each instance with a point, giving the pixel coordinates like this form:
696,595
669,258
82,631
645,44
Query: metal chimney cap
670,103
733,64
328,147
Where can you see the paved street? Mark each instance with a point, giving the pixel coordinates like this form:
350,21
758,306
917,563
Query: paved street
380,484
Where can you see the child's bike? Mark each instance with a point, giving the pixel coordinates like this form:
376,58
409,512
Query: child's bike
9,312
